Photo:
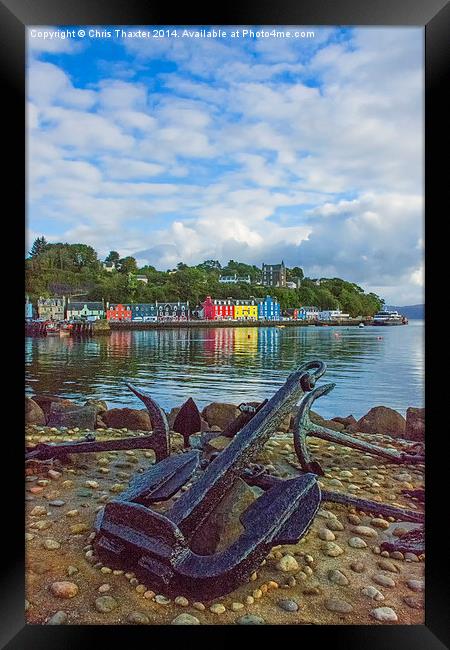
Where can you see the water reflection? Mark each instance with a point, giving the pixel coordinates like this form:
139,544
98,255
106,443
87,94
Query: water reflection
374,366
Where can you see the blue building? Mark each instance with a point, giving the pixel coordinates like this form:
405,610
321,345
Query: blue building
172,311
269,309
144,312
28,309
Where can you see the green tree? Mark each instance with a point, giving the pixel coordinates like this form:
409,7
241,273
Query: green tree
127,265
113,256
39,246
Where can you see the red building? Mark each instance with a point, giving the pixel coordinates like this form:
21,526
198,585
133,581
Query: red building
218,309
118,312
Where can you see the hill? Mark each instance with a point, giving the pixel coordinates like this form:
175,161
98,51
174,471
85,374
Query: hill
75,270
410,311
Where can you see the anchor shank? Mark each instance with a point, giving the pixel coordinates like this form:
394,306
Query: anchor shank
195,505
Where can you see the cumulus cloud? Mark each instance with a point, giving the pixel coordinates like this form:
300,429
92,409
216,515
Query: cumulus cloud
261,150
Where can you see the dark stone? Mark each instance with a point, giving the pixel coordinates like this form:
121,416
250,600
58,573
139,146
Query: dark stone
415,424
345,421
33,412
223,526
220,414
45,402
62,415
99,405
384,420
131,419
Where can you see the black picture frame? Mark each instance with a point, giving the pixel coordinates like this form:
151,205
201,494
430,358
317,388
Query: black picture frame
15,15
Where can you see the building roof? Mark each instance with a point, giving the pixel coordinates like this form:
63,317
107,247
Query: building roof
274,266
50,301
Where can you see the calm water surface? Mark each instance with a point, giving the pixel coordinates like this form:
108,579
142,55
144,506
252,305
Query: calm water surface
234,365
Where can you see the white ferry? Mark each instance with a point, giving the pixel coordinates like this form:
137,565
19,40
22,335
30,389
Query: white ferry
389,318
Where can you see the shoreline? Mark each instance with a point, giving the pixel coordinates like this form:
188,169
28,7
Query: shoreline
130,325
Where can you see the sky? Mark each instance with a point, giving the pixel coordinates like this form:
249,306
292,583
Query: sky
257,149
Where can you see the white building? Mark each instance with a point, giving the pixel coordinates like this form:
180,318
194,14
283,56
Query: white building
308,313
332,314
235,279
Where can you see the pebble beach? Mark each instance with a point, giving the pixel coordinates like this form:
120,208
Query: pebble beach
336,574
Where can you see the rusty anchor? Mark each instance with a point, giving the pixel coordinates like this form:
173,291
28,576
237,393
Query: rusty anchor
156,546
303,427
158,440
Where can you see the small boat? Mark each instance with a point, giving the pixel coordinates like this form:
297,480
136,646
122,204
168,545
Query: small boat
361,325
52,328
280,326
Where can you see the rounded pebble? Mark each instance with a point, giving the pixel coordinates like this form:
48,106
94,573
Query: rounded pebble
185,619
105,604
372,592
365,531
387,565
331,549
58,619
384,614
384,581
357,542
287,563
339,578
250,619
138,618
326,535
162,600
337,605
64,589
217,608
51,544
288,605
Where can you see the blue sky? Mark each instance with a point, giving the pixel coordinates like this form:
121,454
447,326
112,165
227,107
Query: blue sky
257,149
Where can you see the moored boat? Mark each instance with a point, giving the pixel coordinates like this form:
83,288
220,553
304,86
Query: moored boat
385,317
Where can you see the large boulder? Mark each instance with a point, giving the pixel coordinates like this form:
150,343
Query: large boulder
33,412
384,420
46,401
223,526
71,416
415,424
132,419
348,421
99,405
220,414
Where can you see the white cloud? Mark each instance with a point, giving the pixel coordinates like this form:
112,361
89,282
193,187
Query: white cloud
260,151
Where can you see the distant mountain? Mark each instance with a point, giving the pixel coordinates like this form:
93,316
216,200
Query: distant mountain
410,311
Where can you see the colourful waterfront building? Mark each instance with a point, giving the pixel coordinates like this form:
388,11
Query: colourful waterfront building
51,308
268,309
214,309
28,309
118,312
246,309
172,311
144,312
90,311
308,313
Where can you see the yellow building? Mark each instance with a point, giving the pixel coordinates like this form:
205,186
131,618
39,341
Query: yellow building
245,310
